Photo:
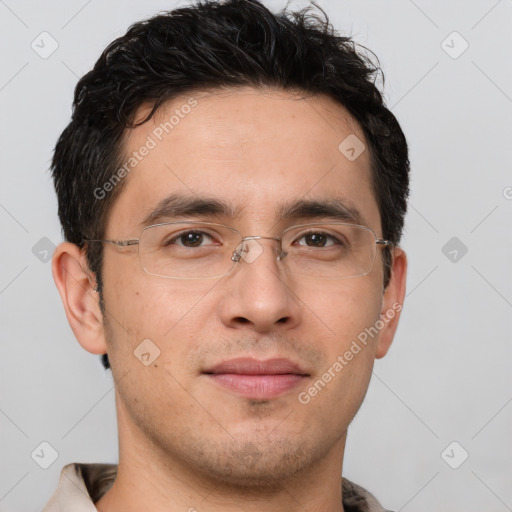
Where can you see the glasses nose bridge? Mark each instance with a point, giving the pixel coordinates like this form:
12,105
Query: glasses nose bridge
261,237
237,255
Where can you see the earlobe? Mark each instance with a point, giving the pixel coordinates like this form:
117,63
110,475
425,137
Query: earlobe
77,288
392,303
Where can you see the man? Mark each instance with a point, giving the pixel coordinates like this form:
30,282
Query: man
232,192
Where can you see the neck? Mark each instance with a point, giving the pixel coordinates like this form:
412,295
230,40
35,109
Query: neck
149,479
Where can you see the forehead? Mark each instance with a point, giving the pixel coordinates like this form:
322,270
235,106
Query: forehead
255,150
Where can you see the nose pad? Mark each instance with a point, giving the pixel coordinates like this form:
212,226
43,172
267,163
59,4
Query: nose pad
250,250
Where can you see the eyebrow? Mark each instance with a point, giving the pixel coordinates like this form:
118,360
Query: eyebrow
177,205
181,206
332,209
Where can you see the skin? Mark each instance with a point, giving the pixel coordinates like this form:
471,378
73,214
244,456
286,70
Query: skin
185,443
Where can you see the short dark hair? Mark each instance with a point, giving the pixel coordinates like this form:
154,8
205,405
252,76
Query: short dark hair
210,45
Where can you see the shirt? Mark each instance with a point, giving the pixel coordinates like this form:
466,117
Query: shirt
82,485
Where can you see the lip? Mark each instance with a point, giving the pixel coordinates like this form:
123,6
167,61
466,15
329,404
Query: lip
256,379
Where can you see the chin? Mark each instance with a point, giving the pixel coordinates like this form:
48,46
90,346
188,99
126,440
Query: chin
253,466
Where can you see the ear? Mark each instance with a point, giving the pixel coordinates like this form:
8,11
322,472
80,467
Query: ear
76,285
392,302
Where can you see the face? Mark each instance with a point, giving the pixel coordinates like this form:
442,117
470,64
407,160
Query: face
195,406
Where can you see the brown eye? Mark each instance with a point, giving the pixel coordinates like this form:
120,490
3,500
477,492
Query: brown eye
318,239
189,239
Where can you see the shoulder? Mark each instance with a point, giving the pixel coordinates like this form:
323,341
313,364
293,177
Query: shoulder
358,499
81,485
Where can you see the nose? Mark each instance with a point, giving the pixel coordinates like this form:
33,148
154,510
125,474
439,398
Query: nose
258,293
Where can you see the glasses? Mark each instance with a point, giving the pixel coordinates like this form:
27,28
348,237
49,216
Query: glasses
206,250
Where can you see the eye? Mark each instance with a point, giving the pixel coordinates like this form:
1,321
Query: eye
189,239
318,239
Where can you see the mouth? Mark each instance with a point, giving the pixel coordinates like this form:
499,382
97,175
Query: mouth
255,379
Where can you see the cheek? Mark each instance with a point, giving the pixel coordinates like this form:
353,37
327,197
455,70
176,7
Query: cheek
348,317
349,351
341,310
143,307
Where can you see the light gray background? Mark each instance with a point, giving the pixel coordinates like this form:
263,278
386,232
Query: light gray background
447,377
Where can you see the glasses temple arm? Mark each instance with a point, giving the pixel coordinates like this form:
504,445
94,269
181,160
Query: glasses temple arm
121,243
